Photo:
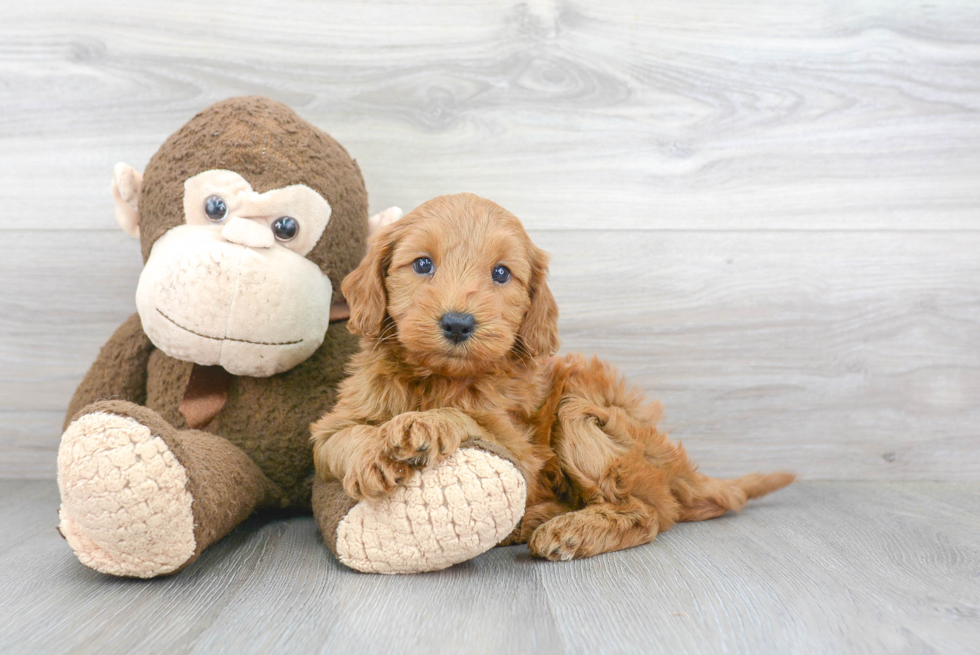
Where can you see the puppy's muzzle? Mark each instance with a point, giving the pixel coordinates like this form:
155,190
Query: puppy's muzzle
457,327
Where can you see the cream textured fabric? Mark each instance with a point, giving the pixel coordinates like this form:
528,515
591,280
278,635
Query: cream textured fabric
298,201
255,312
442,516
125,508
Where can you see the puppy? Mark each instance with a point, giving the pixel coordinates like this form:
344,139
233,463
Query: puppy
459,338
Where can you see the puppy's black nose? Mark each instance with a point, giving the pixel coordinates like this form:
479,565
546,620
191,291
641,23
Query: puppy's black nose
457,327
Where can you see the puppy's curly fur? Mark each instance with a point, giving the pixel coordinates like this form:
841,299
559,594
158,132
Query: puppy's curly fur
601,476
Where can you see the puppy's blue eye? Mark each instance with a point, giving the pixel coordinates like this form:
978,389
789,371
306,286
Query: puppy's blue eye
500,274
422,266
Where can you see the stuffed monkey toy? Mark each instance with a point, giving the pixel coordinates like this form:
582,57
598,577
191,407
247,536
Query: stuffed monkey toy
197,411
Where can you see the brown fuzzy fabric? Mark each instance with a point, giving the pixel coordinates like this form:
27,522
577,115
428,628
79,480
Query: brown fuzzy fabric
268,418
271,147
119,371
492,448
255,451
330,506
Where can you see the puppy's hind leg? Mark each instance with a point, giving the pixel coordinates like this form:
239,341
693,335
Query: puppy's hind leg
627,501
599,528
603,428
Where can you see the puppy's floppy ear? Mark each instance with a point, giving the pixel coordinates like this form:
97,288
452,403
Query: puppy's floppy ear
364,287
539,331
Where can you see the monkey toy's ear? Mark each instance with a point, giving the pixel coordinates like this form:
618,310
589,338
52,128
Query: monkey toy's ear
384,219
126,185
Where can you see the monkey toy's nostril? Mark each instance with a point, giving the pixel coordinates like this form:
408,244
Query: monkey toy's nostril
457,327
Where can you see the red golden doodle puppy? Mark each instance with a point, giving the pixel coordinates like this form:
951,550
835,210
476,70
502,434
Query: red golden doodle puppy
459,339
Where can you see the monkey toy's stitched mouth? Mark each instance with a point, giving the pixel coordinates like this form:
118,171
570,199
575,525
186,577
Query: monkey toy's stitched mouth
205,336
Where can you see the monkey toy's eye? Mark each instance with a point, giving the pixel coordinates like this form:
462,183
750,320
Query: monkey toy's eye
422,266
500,274
285,228
215,208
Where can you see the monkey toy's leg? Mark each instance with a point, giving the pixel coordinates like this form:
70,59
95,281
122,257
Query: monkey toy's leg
140,498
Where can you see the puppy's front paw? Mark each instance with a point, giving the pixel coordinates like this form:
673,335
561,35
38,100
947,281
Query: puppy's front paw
420,438
376,478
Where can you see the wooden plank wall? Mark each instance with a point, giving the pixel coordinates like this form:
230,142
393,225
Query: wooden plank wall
767,214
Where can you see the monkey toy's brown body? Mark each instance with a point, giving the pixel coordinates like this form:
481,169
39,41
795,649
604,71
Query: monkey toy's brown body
143,491
197,410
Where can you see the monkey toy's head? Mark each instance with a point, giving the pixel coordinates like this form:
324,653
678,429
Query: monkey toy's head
249,218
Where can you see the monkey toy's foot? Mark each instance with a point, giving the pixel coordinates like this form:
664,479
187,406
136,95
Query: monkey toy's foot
125,507
140,498
443,515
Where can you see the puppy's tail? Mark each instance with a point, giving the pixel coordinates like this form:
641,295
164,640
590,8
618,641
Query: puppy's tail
759,484
711,497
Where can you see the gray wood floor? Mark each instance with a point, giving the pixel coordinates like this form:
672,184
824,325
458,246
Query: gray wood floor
831,567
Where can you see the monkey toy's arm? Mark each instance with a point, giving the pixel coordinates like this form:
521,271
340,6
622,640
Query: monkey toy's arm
119,372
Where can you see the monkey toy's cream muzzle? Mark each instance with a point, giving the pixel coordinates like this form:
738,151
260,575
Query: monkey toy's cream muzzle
245,303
